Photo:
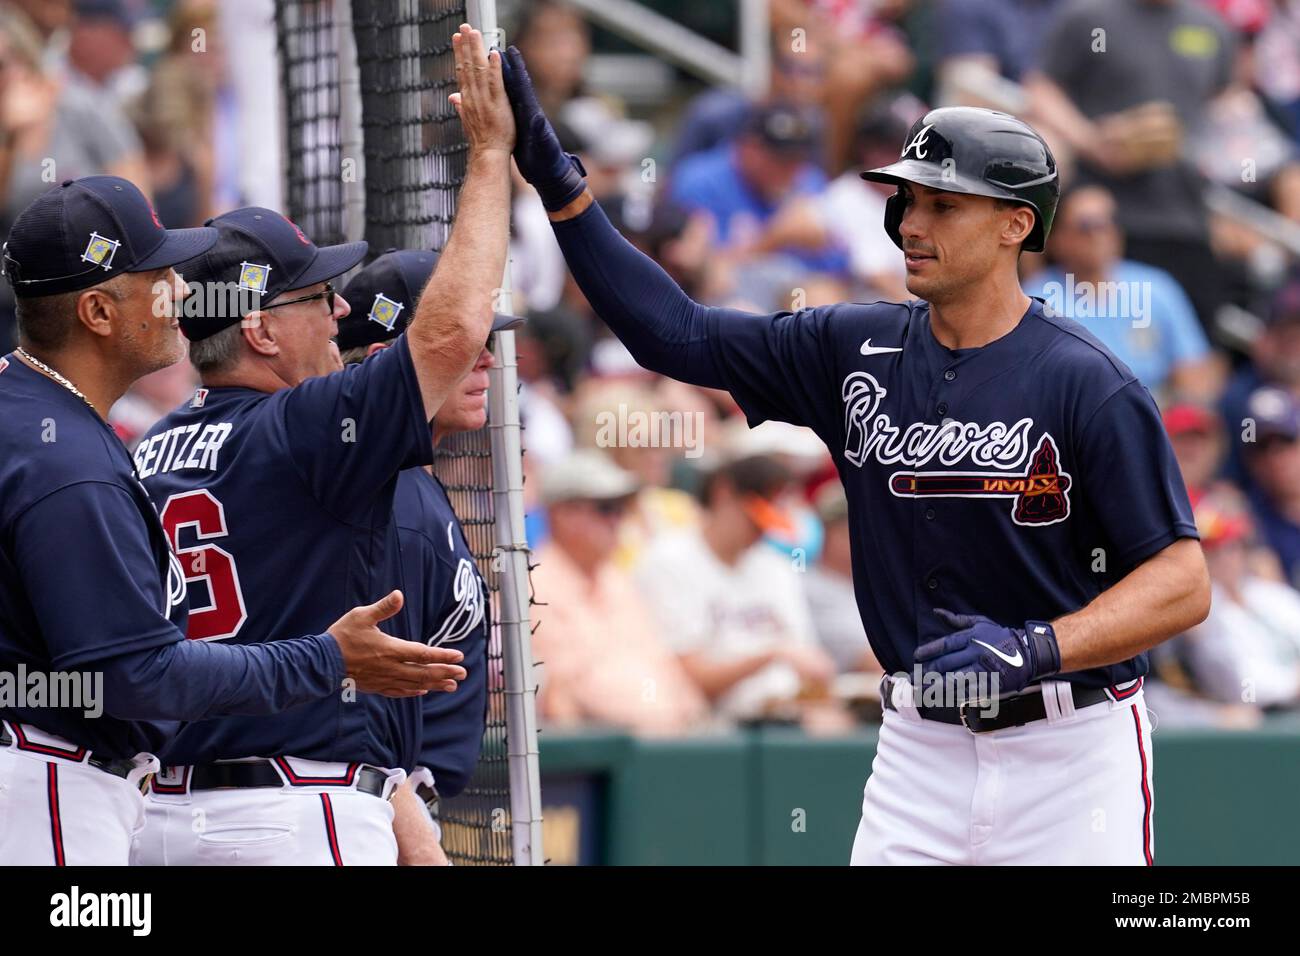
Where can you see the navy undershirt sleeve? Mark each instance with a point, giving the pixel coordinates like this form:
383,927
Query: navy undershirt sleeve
110,620
778,366
663,328
192,680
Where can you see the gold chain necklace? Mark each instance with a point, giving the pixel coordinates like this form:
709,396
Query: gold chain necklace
54,374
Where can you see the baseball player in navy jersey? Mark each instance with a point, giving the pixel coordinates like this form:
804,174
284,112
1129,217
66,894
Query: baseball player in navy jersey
1020,532
89,588
286,512
447,600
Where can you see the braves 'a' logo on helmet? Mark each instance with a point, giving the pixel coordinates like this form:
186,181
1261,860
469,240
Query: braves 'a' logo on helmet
978,152
916,146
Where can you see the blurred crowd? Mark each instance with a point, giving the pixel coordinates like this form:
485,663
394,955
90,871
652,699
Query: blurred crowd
693,573
707,582
77,98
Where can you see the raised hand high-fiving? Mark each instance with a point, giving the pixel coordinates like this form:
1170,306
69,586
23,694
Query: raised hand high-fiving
556,175
481,100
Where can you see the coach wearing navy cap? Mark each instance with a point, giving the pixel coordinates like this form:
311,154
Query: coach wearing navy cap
261,266
446,597
91,269
278,480
92,599
382,299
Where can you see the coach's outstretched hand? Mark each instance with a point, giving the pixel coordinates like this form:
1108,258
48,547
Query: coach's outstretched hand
481,100
386,665
556,175
1017,656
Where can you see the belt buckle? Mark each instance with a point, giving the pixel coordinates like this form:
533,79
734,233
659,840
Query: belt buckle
966,707
961,712
887,692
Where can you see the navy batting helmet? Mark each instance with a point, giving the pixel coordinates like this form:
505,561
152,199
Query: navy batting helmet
964,149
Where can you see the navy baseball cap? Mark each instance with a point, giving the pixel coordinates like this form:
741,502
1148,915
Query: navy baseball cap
1275,413
383,297
120,12
784,128
87,231
1285,307
259,254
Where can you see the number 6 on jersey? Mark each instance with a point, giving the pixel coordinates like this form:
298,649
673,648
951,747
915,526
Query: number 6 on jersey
205,561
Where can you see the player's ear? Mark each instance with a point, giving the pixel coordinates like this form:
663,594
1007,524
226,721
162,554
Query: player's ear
259,334
374,347
97,310
1017,225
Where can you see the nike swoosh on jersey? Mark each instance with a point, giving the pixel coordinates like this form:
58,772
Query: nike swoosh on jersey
1013,661
869,349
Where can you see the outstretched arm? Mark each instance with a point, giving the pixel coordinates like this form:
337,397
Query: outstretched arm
454,315
193,680
664,329
112,621
661,326
779,366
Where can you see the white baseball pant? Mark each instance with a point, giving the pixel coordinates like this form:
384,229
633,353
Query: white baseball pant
1073,789
316,824
56,809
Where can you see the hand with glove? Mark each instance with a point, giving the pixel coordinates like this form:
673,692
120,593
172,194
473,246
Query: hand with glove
1016,656
556,175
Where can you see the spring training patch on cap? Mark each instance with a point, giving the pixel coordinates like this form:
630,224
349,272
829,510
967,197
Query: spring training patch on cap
253,277
100,251
385,311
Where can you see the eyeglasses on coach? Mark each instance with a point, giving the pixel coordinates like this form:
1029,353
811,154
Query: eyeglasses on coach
327,294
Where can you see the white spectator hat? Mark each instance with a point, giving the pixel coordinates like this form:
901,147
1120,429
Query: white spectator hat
831,503
610,139
586,475
799,447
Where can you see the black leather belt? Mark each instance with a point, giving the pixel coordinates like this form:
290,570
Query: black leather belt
1023,708
219,776
118,768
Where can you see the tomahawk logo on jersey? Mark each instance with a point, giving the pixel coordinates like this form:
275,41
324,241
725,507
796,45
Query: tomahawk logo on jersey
447,601
1033,480
1040,447
279,509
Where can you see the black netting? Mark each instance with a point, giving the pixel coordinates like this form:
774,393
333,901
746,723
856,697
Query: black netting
414,164
308,45
414,147
476,824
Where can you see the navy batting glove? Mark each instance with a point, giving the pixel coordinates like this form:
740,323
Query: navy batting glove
1018,656
556,175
